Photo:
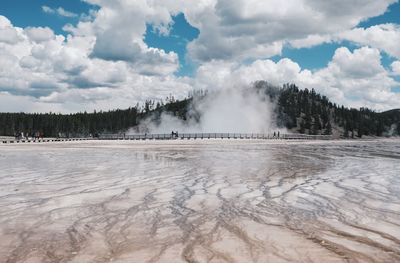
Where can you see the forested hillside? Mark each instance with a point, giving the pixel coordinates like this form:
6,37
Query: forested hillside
85,124
302,111
307,112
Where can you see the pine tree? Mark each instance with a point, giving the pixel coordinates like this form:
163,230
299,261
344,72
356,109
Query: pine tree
307,119
302,127
328,129
380,128
360,130
316,126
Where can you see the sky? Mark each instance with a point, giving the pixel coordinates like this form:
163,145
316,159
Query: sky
77,55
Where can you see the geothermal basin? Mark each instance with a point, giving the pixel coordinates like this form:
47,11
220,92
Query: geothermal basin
200,201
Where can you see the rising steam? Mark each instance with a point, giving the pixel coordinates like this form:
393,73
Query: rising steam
232,110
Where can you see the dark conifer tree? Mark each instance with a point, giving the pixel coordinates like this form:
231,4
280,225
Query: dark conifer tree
328,129
302,127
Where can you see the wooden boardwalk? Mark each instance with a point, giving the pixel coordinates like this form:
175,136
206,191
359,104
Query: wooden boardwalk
182,136
43,140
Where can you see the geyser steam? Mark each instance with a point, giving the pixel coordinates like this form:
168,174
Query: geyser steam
232,110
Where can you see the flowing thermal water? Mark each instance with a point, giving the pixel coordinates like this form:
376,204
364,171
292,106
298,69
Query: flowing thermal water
200,201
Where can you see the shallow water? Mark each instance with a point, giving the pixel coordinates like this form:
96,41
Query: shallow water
200,201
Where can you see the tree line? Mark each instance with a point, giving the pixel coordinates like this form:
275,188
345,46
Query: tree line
308,112
302,111
85,124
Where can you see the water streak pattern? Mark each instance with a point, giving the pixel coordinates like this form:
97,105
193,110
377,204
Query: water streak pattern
214,201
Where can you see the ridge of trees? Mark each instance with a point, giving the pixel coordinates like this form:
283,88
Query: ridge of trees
84,123
308,112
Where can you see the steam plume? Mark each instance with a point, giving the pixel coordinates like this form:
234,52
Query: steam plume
232,110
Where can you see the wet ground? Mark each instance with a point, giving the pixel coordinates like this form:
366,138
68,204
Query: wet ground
200,201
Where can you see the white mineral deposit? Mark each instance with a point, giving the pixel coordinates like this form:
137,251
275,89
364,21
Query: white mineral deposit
200,201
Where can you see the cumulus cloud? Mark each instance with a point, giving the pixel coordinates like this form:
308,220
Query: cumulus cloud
355,79
231,30
104,62
396,68
47,67
39,34
126,43
353,64
8,34
359,78
384,37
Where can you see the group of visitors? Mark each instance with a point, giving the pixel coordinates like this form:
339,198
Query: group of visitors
29,135
275,134
174,134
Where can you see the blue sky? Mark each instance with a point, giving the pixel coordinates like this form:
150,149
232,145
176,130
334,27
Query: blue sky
319,56
180,35
203,48
25,13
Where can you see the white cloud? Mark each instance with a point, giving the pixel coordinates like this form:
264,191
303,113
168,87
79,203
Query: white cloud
310,41
104,62
62,12
59,11
358,79
48,10
126,43
361,64
40,63
134,89
346,80
384,37
39,34
396,68
8,34
229,30
236,30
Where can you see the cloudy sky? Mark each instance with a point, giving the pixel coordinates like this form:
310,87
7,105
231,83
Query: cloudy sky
75,55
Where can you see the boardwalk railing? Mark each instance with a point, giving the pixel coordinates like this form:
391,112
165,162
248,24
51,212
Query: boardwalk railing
182,136
33,140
